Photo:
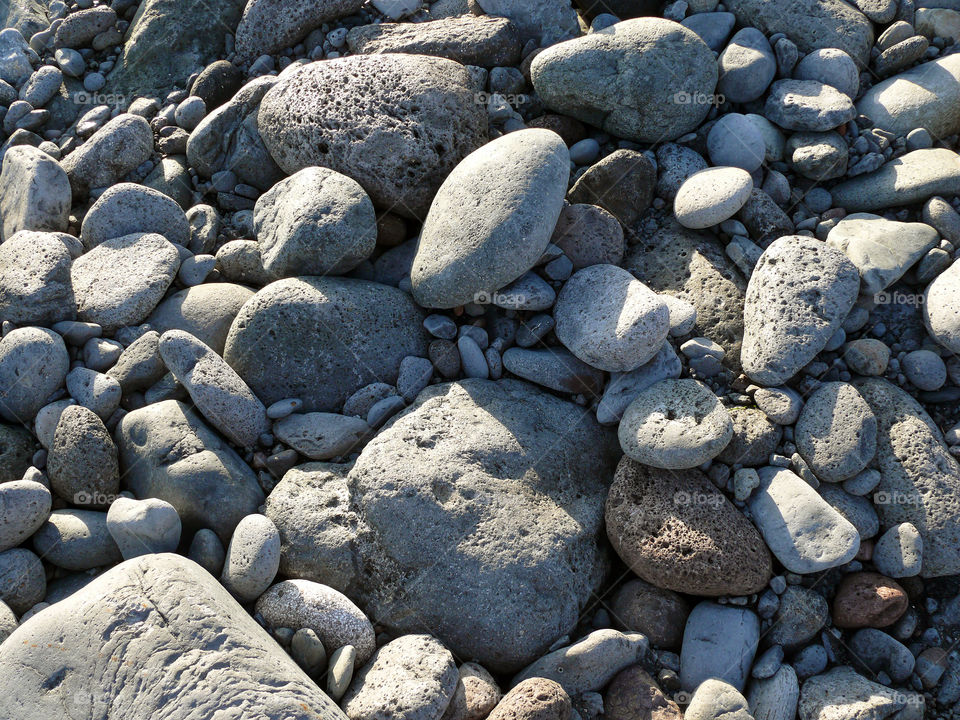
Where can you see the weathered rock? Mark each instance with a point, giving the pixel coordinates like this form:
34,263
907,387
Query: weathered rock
798,296
409,526
205,311
33,364
718,642
867,599
837,432
910,178
622,183
269,25
659,614
34,192
111,152
534,699
189,643
24,507
344,334
775,698
127,208
410,140
677,531
919,478
714,699
491,219
167,452
754,438
939,315
546,21
842,693
614,79
634,695
35,284
82,463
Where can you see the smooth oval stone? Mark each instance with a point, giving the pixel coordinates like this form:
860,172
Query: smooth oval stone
747,66
492,218
35,284
321,436
404,138
142,527
714,699
76,540
905,180
33,364
205,311
675,424
609,319
736,141
677,531
920,479
415,676
215,388
810,24
710,196
939,308
799,527
123,279
109,154
799,294
899,551
252,559
648,79
34,192
24,507
837,432
921,97
329,613
344,333
830,66
127,208
719,641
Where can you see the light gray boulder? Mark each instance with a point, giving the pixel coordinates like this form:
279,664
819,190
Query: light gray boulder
35,283
33,364
842,692
186,644
492,218
109,154
205,311
24,507
34,192
127,208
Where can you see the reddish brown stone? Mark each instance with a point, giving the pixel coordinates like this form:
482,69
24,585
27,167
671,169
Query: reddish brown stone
534,699
868,599
633,695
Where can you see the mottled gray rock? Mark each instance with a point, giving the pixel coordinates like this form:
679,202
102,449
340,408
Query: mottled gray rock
719,641
409,526
218,392
675,163
588,664
205,311
805,533
329,613
710,196
818,155
747,66
919,478
167,452
96,391
614,79
139,365
921,97
411,678
110,153
142,527
172,610
754,438
675,424
252,559
910,178
554,368
810,24
898,552
492,219
270,25
469,39
22,583
622,183
589,235
121,280
410,140
609,319
694,267
127,208
35,284
798,296
940,308
26,16
76,540
82,463
24,507
8,621
344,334
675,530
714,699
546,21
315,222
228,138
775,698
808,105
842,693
33,364
34,192
883,250
321,436
837,432
833,67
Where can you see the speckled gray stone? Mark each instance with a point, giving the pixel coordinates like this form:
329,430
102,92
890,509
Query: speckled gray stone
127,208
109,154
253,558
24,507
836,432
35,285
141,527
34,192
33,364
76,540
321,436
82,463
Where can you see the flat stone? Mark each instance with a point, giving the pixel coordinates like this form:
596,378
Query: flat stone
718,642
710,196
347,333
799,527
321,436
613,79
554,368
908,179
808,105
170,609
677,531
509,190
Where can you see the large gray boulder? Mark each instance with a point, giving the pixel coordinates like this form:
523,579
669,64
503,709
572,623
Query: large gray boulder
205,311
27,16
403,138
156,636
920,479
492,219
321,339
34,192
271,25
167,452
811,24
35,284
647,79
167,41
423,530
